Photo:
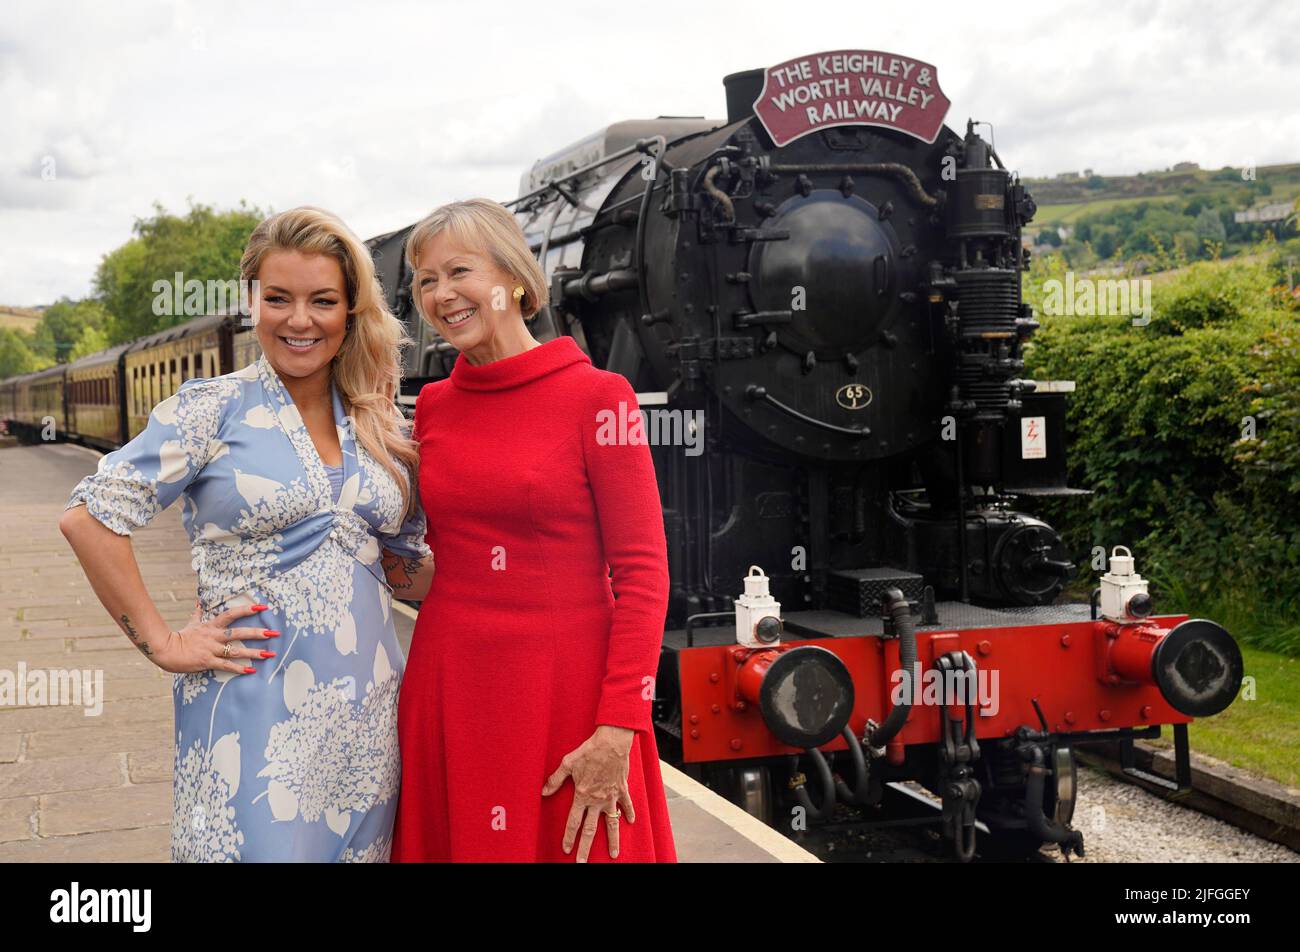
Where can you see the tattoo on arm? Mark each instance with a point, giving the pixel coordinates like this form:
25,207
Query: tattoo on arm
399,571
135,635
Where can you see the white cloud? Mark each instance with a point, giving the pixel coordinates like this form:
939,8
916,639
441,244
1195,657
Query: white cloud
382,110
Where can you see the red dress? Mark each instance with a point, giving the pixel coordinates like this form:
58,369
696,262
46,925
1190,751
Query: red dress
521,648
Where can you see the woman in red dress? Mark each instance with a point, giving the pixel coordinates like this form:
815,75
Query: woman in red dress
524,715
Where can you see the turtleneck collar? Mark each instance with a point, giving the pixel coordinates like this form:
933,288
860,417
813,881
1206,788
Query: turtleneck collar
520,369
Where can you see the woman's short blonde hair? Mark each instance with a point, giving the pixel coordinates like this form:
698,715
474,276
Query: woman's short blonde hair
484,226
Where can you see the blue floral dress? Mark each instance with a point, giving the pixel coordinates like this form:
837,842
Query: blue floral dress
300,761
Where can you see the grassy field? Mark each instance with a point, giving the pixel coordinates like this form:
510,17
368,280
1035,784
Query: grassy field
19,318
1049,215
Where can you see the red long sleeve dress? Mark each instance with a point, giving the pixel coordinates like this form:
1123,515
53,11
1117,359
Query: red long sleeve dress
521,648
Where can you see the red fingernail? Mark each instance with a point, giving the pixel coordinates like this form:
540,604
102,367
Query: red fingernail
259,608
271,633
268,654
250,671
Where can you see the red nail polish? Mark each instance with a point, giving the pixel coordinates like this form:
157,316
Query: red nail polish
268,654
259,608
271,633
250,671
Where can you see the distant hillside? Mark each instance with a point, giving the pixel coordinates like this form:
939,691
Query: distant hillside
1062,200
20,318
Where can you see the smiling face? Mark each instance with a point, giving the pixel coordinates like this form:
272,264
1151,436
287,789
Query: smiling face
466,296
302,312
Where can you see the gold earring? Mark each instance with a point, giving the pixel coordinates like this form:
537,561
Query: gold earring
519,292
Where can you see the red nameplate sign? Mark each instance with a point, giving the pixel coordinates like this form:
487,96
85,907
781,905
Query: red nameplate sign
851,88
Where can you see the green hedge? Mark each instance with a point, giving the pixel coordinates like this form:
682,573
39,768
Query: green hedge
1160,429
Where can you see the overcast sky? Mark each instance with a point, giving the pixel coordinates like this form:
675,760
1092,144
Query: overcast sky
382,110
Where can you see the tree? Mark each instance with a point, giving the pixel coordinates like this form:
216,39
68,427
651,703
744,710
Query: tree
63,325
92,342
203,245
16,355
1105,244
1209,227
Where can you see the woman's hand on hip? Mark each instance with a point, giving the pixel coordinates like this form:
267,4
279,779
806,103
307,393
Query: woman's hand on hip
599,770
202,645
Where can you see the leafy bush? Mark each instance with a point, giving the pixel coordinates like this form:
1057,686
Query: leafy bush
1188,431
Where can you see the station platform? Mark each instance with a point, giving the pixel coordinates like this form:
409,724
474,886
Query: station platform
78,788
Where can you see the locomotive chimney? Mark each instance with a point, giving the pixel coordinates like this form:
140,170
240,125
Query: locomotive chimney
742,89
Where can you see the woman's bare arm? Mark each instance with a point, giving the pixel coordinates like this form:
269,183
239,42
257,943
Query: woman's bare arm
109,563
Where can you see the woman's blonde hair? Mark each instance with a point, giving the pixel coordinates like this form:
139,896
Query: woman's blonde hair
481,224
368,366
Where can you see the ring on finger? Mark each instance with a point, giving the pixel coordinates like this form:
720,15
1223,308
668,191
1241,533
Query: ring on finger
615,815
225,652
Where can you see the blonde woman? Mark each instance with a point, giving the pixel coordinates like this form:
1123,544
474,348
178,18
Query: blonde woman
294,472
525,715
